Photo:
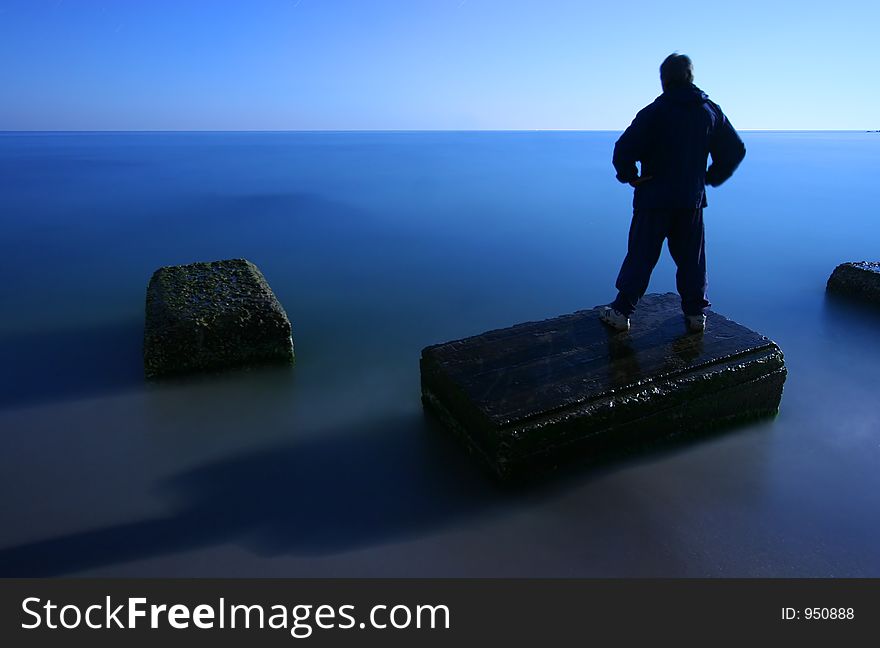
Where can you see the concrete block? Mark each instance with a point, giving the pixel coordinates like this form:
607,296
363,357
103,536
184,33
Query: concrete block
536,392
212,316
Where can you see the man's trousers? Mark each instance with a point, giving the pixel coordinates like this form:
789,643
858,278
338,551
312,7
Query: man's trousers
683,229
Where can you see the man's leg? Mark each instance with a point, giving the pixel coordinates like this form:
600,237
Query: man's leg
687,245
646,234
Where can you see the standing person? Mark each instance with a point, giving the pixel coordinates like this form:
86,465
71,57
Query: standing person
672,139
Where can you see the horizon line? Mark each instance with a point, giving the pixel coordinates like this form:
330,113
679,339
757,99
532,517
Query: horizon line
412,130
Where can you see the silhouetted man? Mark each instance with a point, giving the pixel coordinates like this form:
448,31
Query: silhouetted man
672,139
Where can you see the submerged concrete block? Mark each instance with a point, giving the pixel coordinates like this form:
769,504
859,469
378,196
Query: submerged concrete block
540,391
859,279
210,316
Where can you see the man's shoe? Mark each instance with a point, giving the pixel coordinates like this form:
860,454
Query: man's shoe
695,323
614,319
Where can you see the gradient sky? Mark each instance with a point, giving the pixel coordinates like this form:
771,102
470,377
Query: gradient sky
428,64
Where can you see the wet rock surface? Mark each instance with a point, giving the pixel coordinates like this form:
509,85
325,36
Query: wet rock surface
213,316
532,394
858,279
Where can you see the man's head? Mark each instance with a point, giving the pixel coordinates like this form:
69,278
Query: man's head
676,71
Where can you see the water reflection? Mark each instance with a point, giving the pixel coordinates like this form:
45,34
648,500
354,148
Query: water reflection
623,367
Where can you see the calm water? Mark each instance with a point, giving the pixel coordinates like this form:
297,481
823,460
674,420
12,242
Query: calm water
379,244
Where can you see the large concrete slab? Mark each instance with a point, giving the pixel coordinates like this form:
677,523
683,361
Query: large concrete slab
536,392
212,316
858,279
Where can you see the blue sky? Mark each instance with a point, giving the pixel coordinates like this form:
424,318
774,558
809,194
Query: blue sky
427,64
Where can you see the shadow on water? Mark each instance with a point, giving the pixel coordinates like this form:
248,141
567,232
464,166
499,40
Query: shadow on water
851,339
352,488
852,309
58,365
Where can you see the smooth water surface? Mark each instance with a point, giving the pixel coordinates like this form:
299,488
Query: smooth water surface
379,244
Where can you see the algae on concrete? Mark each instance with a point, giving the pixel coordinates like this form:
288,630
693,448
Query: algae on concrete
859,279
211,316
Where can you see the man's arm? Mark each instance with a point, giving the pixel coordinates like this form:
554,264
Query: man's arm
631,148
727,150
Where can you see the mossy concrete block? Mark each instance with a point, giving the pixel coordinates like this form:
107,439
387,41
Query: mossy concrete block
213,316
859,279
536,392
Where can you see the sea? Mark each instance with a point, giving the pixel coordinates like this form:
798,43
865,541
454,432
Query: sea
379,244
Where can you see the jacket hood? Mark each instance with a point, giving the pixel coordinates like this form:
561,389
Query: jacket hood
686,94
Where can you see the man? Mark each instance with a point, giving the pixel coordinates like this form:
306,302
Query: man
672,139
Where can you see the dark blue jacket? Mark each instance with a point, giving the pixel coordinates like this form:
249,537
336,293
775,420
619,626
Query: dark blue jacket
672,138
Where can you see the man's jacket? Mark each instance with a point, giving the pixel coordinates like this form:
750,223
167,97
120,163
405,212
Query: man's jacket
672,138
